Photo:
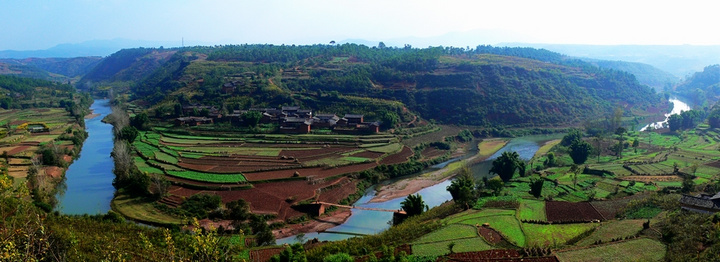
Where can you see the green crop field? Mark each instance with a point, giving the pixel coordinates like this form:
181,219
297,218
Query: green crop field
532,210
613,229
554,235
449,232
208,177
441,248
507,225
642,249
386,148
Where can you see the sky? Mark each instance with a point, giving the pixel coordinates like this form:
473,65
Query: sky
41,24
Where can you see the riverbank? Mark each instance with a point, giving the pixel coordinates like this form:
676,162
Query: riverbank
409,186
325,222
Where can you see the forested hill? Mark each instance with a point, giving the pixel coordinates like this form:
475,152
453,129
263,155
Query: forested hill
55,69
481,86
20,93
703,88
645,74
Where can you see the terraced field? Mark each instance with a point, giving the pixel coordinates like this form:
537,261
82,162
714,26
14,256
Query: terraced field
271,171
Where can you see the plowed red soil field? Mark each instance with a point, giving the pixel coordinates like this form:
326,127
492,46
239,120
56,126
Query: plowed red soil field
317,172
431,152
367,154
559,211
273,198
398,158
492,236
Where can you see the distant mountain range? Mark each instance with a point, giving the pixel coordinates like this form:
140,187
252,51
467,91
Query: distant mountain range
89,48
679,60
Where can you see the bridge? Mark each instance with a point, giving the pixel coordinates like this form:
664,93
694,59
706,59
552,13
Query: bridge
398,211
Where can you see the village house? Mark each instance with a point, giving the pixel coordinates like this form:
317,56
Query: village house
702,203
325,120
192,121
296,125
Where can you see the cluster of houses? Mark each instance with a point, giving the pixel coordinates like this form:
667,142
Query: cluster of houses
291,119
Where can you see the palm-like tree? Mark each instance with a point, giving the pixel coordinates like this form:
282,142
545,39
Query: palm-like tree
414,205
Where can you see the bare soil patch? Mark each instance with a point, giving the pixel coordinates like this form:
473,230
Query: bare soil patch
315,172
492,236
53,171
322,223
398,158
560,211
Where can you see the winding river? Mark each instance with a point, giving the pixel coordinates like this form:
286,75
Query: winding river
87,188
678,107
373,222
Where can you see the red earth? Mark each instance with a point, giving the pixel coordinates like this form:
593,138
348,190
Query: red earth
397,158
560,211
492,236
315,172
277,197
53,171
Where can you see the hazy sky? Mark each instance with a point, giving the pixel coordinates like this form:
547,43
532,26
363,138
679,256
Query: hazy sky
40,24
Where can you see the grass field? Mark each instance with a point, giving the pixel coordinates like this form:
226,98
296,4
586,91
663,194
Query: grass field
613,229
532,210
642,249
138,208
441,248
449,232
554,235
507,225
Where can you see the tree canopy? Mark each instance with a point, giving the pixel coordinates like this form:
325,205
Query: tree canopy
506,165
462,188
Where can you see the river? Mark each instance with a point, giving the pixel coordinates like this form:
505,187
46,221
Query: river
678,107
373,222
87,187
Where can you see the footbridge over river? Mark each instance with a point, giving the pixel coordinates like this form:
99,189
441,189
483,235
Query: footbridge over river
323,204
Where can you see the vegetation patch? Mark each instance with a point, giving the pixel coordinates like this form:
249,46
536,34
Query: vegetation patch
652,250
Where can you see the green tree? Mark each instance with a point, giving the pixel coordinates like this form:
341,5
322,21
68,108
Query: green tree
128,133
675,122
413,205
536,186
389,119
140,121
496,185
293,253
339,257
251,118
263,233
572,136
579,151
550,161
506,165
462,188
688,185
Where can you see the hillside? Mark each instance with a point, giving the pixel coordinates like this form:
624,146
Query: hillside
703,88
484,86
679,60
50,68
126,65
645,74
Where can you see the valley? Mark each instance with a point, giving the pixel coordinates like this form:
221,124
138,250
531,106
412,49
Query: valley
247,145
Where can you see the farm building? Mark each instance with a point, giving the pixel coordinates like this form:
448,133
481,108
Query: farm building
325,120
296,125
702,203
192,121
37,128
